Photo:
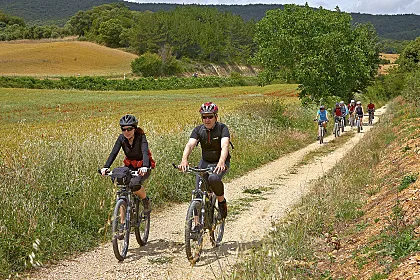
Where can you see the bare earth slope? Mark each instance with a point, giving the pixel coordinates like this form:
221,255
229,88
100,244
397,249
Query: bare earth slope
164,257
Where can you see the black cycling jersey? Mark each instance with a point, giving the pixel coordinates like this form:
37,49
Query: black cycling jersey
137,151
211,141
359,111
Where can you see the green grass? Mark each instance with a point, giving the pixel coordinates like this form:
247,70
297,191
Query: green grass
54,141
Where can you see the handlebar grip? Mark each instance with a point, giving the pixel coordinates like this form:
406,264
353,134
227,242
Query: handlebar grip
174,165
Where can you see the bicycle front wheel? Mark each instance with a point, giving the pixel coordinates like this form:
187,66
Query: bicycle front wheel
193,232
141,224
120,230
218,225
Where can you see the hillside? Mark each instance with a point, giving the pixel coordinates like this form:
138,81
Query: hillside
398,27
62,58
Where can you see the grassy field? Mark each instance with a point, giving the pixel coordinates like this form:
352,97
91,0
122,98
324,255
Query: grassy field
54,141
62,58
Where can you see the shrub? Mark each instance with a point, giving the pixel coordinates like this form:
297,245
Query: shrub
148,65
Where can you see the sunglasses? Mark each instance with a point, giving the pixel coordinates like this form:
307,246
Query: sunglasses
127,129
207,117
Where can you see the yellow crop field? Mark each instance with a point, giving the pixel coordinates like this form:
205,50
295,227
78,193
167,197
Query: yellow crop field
62,58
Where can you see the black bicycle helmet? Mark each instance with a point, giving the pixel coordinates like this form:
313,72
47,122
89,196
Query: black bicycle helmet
129,120
208,108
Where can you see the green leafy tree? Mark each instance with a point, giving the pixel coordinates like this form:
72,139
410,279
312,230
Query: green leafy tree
147,65
409,60
110,32
317,48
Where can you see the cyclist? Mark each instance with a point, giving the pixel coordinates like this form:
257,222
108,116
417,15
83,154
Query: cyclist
351,107
344,111
359,112
322,118
371,109
136,149
337,113
214,138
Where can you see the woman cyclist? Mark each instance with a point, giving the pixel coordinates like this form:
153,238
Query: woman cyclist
136,149
359,113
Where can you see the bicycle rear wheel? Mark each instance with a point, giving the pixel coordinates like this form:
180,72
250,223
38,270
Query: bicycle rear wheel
193,232
141,223
218,225
120,230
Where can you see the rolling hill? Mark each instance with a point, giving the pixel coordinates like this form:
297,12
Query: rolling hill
37,12
62,58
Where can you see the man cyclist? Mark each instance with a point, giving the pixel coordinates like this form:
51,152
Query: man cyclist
344,111
359,113
214,139
337,113
136,149
322,118
371,109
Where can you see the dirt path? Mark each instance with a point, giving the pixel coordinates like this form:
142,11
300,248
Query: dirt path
164,257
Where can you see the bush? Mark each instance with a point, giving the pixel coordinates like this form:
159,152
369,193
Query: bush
147,65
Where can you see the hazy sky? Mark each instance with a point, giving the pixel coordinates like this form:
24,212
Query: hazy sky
362,6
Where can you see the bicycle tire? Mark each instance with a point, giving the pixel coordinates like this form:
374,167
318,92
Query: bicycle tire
342,125
336,129
141,224
120,231
321,135
193,239
358,126
218,225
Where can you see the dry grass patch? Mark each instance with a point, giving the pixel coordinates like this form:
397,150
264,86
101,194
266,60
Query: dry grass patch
62,58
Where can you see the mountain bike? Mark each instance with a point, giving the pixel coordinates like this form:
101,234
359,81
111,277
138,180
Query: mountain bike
337,128
358,125
351,119
128,213
321,131
370,117
202,215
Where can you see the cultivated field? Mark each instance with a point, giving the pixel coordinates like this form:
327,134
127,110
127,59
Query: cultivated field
383,69
62,58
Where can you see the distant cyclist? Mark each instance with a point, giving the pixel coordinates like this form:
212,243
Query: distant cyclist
344,111
371,109
337,113
359,112
351,107
322,117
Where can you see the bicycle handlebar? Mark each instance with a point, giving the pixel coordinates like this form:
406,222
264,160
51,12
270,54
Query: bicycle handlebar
134,173
209,169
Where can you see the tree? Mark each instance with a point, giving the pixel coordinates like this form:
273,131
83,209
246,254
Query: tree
409,60
148,65
317,48
110,31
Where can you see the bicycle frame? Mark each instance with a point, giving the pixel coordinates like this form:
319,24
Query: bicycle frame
201,215
126,215
204,195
